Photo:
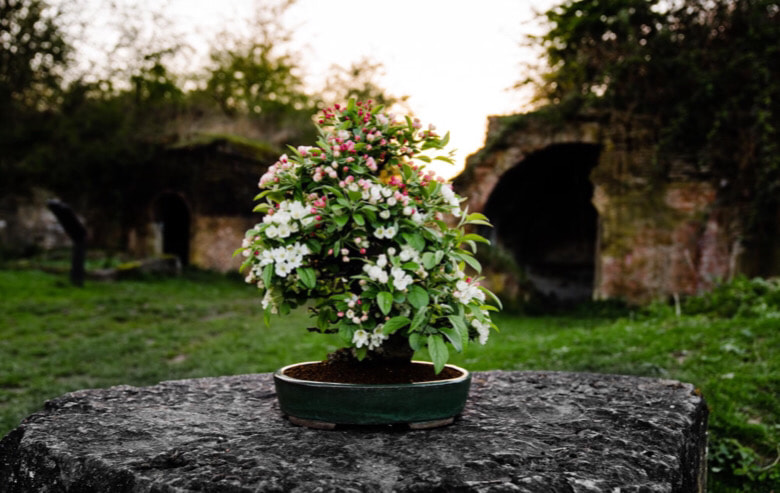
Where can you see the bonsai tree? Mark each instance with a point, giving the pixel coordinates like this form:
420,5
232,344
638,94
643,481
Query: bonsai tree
356,227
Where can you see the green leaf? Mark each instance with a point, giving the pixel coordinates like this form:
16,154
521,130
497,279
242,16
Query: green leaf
492,295
476,216
414,240
360,353
359,219
268,272
308,276
428,260
438,351
345,332
415,340
474,263
267,316
422,158
460,326
419,320
262,194
476,237
454,337
394,324
418,296
341,220
314,245
385,301
323,319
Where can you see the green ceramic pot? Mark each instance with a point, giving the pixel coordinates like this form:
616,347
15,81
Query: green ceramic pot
327,404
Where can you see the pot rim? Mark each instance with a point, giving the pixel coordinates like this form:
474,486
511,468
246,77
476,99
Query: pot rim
279,374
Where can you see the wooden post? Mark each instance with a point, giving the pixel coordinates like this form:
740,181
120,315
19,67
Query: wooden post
78,235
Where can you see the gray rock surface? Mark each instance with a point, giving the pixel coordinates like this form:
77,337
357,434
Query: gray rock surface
520,431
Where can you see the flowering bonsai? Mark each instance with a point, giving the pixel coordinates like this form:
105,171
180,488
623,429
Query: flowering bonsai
358,229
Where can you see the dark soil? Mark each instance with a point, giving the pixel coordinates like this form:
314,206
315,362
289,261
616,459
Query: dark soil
371,372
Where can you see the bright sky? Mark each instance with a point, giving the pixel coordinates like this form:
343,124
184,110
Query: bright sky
455,59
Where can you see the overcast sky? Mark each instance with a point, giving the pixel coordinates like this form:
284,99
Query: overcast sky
456,59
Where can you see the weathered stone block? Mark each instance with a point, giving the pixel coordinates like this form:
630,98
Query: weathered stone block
520,431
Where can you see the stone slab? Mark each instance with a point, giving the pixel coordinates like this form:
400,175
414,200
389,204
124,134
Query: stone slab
520,431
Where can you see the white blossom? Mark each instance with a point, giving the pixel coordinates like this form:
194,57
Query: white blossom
483,329
401,280
284,230
377,337
465,292
360,338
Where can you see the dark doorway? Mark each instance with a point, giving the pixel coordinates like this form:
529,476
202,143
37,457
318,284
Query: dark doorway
542,212
173,218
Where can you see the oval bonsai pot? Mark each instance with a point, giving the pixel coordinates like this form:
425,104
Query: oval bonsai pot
327,404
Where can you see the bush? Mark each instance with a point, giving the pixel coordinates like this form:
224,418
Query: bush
741,297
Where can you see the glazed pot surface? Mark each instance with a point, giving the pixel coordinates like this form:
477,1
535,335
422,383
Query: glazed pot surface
372,404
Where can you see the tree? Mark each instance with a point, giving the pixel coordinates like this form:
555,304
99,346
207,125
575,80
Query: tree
255,76
358,82
33,56
707,72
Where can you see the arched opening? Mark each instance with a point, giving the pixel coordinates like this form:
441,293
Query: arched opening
172,217
542,212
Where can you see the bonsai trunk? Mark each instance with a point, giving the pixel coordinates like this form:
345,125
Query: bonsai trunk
396,349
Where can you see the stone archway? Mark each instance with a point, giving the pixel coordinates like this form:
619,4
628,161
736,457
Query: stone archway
542,212
172,218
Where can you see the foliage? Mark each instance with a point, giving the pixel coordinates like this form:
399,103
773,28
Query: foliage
358,82
743,464
33,55
256,76
742,297
707,73
55,339
356,225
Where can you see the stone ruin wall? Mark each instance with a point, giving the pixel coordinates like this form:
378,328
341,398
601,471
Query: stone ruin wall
655,238
214,240
27,225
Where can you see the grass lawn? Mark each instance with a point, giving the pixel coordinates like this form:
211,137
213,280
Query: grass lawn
55,339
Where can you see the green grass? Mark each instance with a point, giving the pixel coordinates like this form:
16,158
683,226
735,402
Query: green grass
55,338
